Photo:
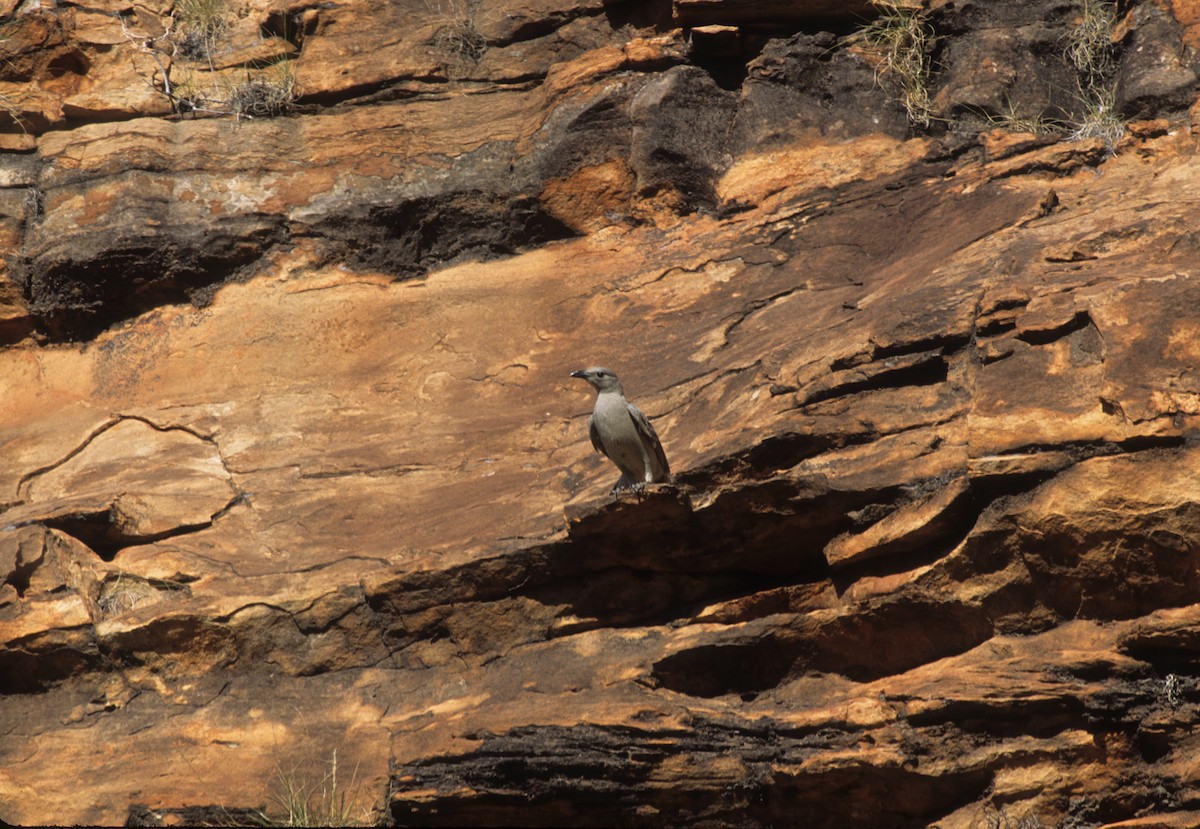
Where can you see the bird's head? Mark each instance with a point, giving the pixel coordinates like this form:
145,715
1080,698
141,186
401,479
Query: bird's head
601,378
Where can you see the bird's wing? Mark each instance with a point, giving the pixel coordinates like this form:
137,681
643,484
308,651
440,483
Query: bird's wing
648,435
594,434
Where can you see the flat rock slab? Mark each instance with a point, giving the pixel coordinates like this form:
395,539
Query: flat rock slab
296,478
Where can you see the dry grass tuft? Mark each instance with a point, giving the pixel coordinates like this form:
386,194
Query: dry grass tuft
201,24
1010,120
459,36
1090,47
269,93
902,37
1090,50
324,802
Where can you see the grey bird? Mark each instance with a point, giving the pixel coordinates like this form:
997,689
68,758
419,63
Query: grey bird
621,433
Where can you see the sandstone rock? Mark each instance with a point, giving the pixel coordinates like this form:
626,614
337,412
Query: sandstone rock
716,41
88,64
991,69
679,121
800,85
1159,68
297,482
773,12
1187,13
105,490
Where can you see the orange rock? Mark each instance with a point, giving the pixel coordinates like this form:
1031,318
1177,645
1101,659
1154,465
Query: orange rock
296,487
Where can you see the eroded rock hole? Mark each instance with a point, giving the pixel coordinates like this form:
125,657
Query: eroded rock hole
98,530
715,670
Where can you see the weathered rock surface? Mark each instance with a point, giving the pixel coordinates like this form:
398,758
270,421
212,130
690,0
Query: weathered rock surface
296,479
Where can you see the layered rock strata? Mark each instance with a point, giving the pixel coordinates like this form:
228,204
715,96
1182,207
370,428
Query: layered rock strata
296,479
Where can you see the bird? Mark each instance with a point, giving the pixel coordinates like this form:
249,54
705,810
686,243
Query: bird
621,433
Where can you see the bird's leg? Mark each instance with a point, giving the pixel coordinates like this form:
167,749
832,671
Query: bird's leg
624,482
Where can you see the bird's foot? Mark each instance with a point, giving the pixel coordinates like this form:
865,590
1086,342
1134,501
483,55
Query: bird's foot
623,483
638,488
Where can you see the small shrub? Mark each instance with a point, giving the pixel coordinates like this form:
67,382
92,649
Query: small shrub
264,95
459,37
266,90
1089,49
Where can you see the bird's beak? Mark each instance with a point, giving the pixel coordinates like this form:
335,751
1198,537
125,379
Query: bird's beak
580,373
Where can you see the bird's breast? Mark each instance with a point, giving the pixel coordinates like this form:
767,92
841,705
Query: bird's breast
617,430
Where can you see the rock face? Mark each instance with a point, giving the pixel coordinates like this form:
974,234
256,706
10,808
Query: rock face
298,503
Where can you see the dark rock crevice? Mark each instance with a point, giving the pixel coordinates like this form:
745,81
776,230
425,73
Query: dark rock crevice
411,236
102,532
588,775
33,665
78,289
